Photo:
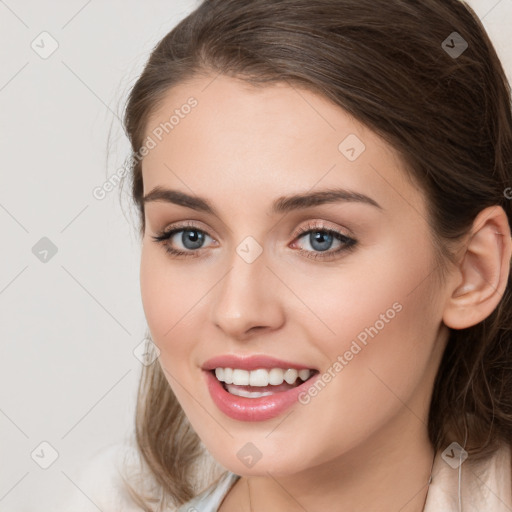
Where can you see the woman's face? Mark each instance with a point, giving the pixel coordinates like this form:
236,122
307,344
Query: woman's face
342,284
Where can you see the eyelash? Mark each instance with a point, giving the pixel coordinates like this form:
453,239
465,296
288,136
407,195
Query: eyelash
348,242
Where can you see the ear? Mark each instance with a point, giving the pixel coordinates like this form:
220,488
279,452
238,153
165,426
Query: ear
482,272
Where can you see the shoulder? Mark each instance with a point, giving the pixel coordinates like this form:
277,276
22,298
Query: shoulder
495,470
486,483
99,485
491,479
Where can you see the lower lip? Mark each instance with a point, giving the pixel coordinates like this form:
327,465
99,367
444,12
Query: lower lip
253,409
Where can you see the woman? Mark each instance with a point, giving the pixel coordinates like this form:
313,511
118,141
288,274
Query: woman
325,224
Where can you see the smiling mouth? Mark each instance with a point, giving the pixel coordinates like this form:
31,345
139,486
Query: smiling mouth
261,382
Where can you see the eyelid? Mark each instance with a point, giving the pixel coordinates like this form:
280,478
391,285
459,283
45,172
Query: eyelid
310,225
322,225
187,224
348,244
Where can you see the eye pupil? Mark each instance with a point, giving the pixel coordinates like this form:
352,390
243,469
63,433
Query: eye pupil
194,236
321,237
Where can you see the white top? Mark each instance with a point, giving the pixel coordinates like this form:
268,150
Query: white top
484,486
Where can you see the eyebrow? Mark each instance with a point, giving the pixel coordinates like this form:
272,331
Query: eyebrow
280,205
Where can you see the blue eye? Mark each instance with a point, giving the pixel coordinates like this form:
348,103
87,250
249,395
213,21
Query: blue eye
191,238
320,239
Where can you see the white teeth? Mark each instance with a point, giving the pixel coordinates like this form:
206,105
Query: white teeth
224,375
260,377
228,375
290,375
304,374
248,394
275,376
240,377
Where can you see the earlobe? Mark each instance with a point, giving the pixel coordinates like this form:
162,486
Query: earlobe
483,270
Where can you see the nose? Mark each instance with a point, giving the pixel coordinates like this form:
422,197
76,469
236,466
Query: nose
248,299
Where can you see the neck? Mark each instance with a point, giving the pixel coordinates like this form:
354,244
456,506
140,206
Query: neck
381,475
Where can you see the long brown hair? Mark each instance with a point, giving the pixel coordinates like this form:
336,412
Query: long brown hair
444,107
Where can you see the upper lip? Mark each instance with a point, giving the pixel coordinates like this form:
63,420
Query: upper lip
250,362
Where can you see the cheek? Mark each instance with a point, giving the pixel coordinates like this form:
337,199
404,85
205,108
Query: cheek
167,291
385,325
378,313
167,307
162,292
174,298
153,293
343,301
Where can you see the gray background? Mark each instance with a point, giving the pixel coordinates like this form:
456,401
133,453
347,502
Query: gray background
69,324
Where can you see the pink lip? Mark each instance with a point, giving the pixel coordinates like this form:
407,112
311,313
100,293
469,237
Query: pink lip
250,363
254,409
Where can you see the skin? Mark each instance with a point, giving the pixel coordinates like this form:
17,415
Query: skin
362,441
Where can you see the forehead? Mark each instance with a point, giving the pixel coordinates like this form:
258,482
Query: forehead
265,141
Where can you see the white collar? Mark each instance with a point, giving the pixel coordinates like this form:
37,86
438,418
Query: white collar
484,485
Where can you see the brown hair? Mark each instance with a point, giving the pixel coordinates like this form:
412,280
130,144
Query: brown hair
448,116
